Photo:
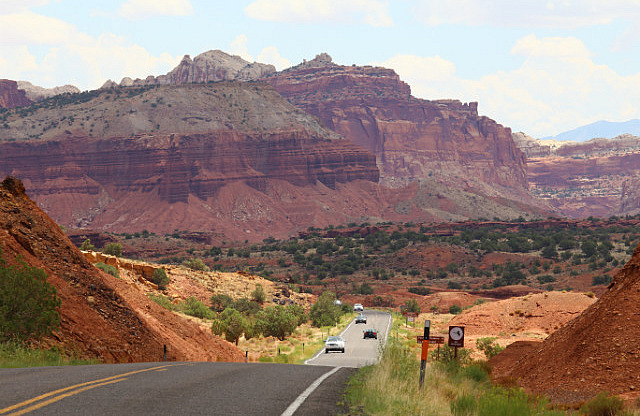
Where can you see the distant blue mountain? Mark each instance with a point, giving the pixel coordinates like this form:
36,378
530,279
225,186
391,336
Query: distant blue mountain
599,129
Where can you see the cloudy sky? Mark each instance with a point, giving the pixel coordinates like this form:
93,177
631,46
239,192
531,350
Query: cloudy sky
538,66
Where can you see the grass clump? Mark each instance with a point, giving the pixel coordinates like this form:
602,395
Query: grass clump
107,268
602,405
163,301
18,355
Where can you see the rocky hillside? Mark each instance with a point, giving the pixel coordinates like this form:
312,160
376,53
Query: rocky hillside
101,316
597,351
11,96
37,93
209,66
599,177
412,139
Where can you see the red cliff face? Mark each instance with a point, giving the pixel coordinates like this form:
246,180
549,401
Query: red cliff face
11,96
221,151
411,138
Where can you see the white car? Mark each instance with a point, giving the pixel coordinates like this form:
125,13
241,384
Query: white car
358,307
334,344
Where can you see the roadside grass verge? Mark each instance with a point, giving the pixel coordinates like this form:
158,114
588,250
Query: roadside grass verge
16,355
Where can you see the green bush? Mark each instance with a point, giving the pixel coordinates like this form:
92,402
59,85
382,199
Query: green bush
231,323
196,264
107,268
411,305
160,278
192,306
602,405
220,302
277,321
455,309
163,301
28,303
258,294
325,312
87,246
113,249
489,346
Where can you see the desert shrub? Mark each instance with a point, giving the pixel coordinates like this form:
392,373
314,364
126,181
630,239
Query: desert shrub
246,306
488,346
423,291
107,268
411,305
455,309
160,278
258,294
192,306
196,264
365,289
546,278
277,321
454,285
113,249
87,246
220,302
231,323
163,301
602,405
28,303
476,371
325,312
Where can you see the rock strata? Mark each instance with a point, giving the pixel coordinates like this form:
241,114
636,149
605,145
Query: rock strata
11,96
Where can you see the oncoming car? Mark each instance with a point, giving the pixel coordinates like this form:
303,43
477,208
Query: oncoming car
361,319
358,307
370,333
334,344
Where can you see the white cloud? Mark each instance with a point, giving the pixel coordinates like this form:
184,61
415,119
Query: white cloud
270,55
558,87
369,12
16,6
239,47
141,9
551,14
72,55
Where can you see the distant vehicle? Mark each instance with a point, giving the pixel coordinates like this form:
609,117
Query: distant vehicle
370,333
334,344
337,302
361,319
358,307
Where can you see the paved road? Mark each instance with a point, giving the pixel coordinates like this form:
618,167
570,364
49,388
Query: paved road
358,351
191,388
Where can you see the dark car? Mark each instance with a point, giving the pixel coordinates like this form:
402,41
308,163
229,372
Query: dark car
361,319
370,333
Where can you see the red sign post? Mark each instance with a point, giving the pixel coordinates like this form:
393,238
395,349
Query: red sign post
425,351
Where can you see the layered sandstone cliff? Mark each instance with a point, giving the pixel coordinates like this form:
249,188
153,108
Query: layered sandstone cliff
161,158
411,138
11,96
599,177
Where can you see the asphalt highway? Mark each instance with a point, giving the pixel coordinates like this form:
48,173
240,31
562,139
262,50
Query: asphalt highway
194,388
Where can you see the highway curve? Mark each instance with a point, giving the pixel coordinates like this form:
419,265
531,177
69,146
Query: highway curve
191,388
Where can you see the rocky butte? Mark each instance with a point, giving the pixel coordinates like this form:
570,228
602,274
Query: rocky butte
11,96
413,139
597,178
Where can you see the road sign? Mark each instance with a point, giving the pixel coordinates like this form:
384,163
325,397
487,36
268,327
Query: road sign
432,340
413,314
410,318
456,336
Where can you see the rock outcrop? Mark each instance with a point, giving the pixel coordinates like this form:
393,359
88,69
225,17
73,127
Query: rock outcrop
599,177
411,138
211,66
36,93
11,96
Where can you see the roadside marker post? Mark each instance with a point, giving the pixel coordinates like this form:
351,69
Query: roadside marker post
425,351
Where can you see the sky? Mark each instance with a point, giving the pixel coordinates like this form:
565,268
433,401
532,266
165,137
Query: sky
537,66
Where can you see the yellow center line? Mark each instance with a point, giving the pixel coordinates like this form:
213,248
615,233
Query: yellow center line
102,380
62,396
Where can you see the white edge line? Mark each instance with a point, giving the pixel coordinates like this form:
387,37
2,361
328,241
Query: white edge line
303,396
320,350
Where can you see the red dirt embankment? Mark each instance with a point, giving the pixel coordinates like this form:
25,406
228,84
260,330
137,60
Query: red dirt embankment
101,316
595,352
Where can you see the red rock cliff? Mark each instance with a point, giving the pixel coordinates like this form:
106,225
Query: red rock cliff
411,138
11,96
